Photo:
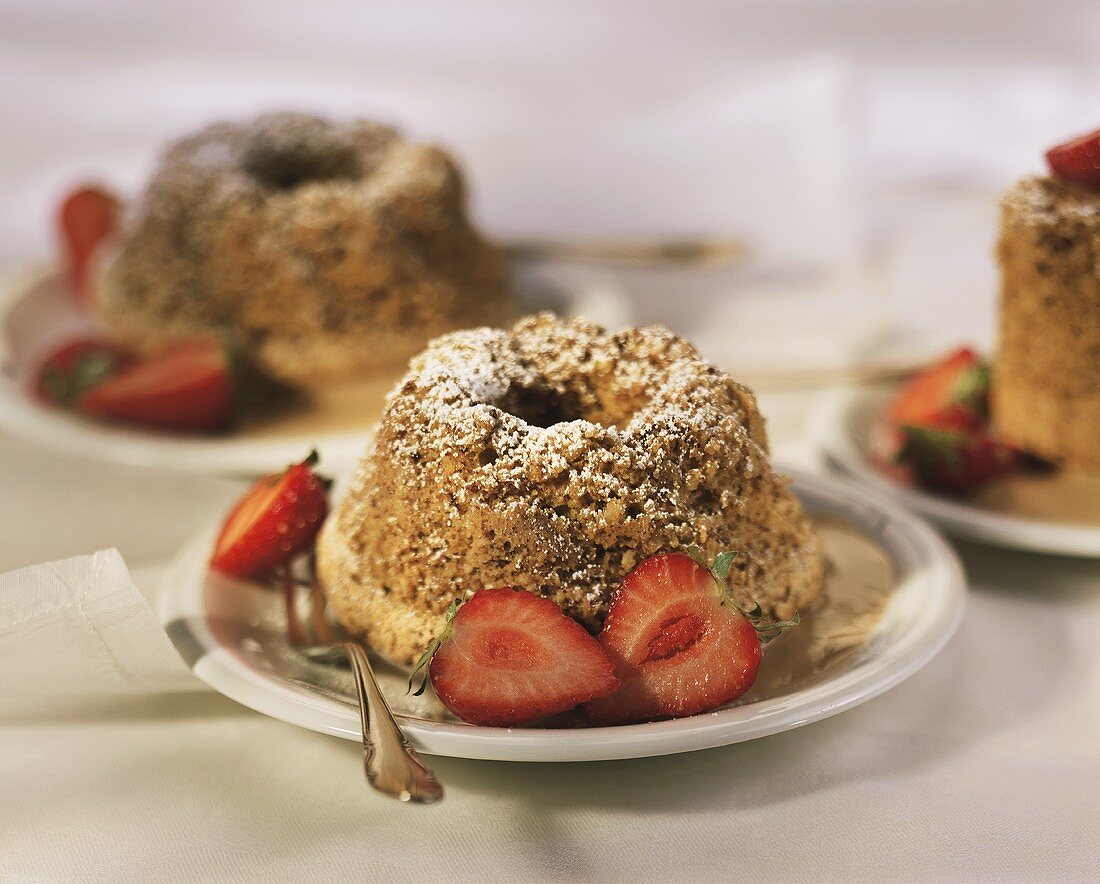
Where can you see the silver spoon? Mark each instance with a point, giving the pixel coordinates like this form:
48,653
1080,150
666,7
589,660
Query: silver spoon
391,765
703,251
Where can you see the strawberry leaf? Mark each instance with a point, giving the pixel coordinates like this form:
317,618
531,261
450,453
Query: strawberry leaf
928,449
93,369
719,568
57,384
766,630
697,555
66,386
971,389
425,659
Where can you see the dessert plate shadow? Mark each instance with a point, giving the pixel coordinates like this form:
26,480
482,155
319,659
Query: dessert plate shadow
37,313
1050,512
232,635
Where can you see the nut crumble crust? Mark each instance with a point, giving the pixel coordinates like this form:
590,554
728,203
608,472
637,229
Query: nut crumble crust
554,457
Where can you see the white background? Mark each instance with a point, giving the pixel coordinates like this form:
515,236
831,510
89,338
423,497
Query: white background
874,134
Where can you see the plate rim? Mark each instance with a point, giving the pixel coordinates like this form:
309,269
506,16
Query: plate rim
842,455
926,565
134,447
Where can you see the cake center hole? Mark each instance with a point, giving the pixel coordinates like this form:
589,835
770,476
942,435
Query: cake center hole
541,407
287,167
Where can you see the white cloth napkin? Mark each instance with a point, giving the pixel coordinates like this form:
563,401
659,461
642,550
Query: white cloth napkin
80,626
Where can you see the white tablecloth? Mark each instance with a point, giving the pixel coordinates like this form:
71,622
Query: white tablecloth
984,766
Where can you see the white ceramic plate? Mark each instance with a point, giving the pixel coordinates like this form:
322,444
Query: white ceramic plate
37,312
252,665
845,424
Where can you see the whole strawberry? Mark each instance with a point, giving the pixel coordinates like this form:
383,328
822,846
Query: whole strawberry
276,520
954,455
1077,160
86,220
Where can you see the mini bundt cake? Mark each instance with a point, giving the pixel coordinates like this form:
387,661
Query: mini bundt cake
554,457
327,250
1046,378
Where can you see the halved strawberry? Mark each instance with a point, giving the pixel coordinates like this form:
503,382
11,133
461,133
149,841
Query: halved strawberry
1077,160
510,657
679,645
76,367
953,455
86,219
960,379
278,518
187,387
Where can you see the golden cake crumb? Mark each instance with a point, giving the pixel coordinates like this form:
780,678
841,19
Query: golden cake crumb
327,250
1046,379
554,457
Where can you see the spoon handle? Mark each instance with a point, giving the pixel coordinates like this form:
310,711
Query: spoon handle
390,763
700,251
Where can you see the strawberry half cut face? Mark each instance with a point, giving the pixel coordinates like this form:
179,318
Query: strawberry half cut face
510,657
958,381
678,647
187,387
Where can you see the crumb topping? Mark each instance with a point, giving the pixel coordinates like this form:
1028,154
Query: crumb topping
1042,201
554,457
329,249
1045,396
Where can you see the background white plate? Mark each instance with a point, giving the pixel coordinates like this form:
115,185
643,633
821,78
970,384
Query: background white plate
36,312
844,425
921,615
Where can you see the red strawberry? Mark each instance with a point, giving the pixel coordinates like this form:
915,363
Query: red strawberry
953,455
278,518
1077,160
87,218
679,646
960,379
75,368
187,387
510,657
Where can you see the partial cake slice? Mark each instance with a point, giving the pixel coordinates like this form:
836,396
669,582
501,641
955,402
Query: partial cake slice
1046,378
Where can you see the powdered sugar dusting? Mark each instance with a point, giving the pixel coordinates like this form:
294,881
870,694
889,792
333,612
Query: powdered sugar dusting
554,457
328,249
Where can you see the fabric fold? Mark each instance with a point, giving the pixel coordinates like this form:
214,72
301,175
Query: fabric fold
80,626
